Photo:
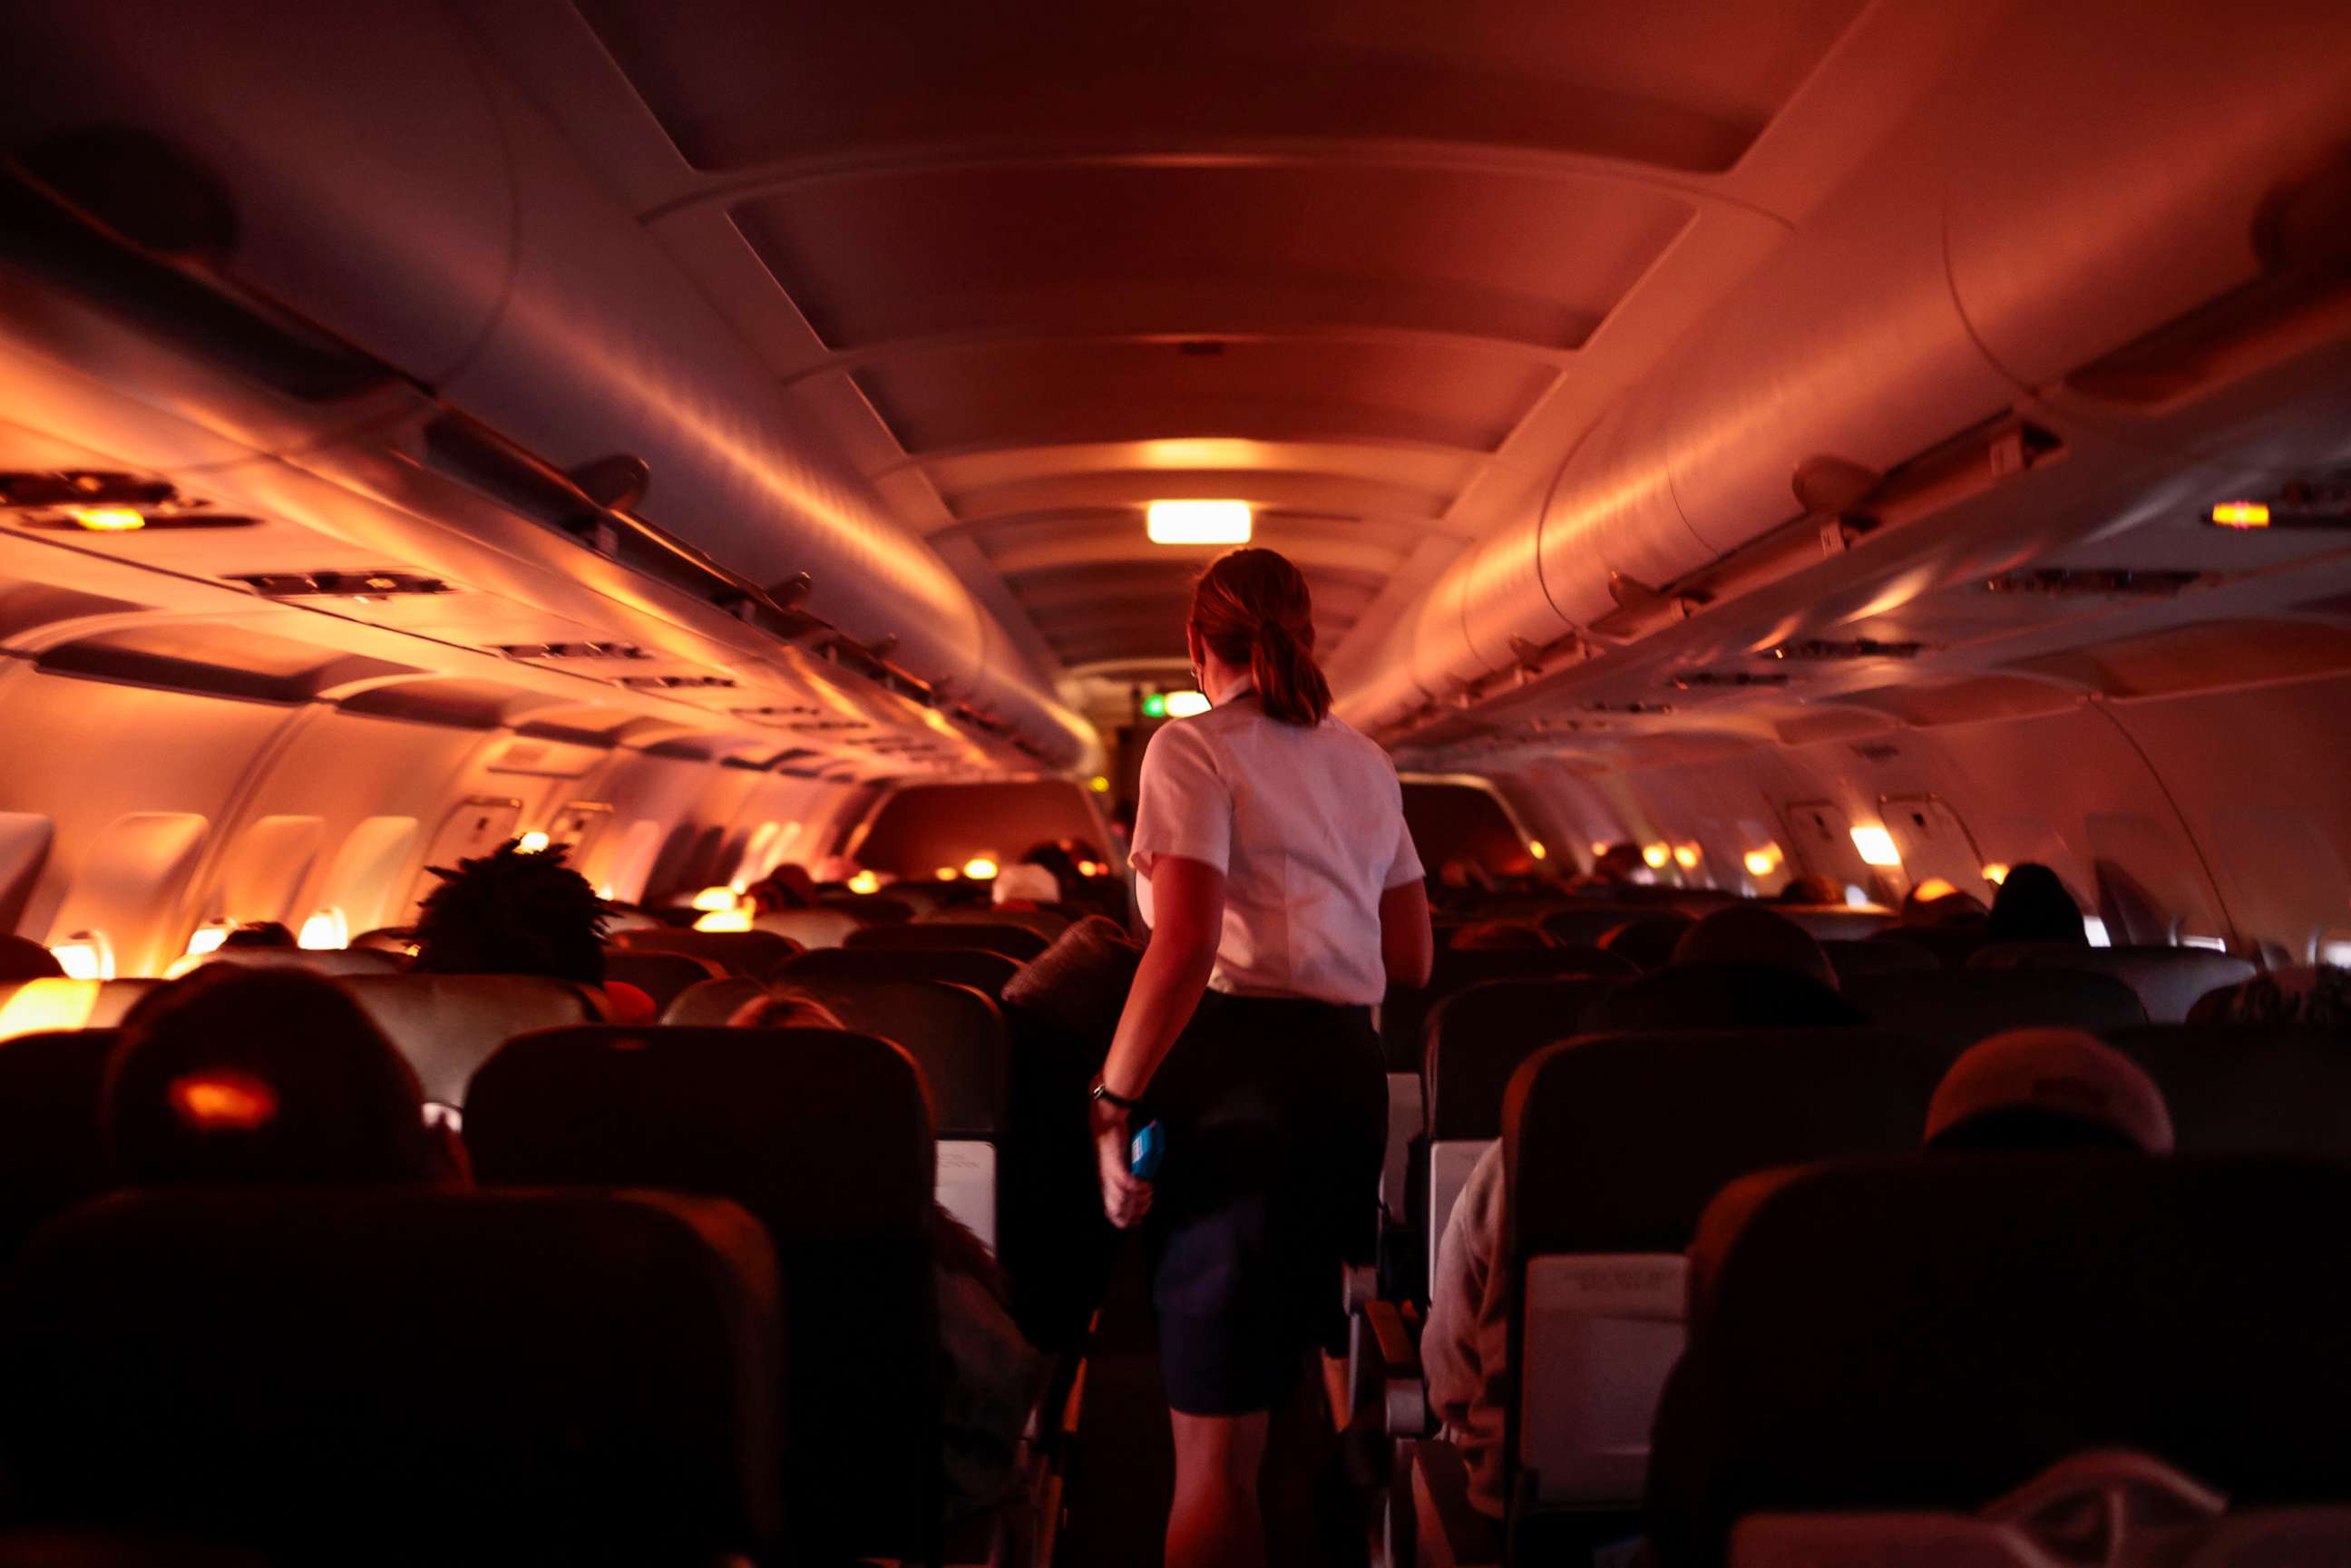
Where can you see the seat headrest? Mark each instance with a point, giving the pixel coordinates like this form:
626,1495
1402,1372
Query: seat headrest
1013,941
1957,1007
954,1034
22,958
1723,996
2248,1089
983,971
551,1373
1480,1034
1932,1331
448,1025
1615,1143
757,954
711,1004
809,927
2169,980
1404,1014
51,1155
819,1132
336,961
36,1007
660,976
1851,959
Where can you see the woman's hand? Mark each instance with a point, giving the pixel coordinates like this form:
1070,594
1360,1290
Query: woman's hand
1125,1199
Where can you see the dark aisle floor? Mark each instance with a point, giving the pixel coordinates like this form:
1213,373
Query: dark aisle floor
1120,1467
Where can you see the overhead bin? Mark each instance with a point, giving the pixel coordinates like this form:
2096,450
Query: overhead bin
2024,220
389,185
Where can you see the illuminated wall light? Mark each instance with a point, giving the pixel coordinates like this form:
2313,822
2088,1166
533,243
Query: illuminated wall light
1535,848
1655,856
1687,856
724,920
1934,887
1186,705
864,881
532,843
1762,863
85,955
107,519
712,900
1995,873
1197,522
946,874
2241,515
1099,784
1599,848
1876,846
208,937
324,931
979,868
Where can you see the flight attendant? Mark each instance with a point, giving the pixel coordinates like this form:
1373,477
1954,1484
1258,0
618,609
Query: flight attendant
1283,894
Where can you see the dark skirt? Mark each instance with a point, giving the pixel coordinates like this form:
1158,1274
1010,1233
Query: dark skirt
1275,1114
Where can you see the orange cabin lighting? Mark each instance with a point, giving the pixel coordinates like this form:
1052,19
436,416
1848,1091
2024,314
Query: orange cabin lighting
2241,513
223,1102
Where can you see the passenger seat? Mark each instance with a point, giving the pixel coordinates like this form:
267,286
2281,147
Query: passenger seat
2248,1089
387,1375
448,1025
36,1007
1019,943
1929,1334
984,972
1957,1007
50,1155
753,954
2169,980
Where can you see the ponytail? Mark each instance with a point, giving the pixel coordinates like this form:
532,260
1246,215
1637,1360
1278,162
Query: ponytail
1290,683
1252,610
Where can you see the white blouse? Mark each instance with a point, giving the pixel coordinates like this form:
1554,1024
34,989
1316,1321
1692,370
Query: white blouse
1307,826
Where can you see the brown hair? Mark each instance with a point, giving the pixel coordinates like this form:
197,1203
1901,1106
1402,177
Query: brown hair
1251,608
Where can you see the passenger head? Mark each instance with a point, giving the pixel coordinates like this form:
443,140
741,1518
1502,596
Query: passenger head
2047,1089
1937,903
785,1007
1251,611
1061,862
1025,884
786,886
1496,936
2316,996
509,913
22,958
2033,905
259,933
1751,933
1810,890
239,1076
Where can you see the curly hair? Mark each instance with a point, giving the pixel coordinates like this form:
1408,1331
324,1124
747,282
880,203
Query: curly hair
512,912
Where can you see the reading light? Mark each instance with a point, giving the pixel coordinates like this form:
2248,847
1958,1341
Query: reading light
1762,863
716,900
724,920
531,843
1687,856
2241,515
1197,522
1995,873
208,937
324,931
1535,848
979,868
85,955
1185,704
1098,784
1599,848
1876,846
1655,856
864,881
108,520
946,874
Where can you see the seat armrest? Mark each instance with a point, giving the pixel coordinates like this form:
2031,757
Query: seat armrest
1404,1397
1448,1532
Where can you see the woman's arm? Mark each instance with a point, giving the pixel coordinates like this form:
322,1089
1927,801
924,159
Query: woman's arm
1407,946
1187,899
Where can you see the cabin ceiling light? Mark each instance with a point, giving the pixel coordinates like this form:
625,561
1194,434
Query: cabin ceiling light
1185,704
1876,846
1197,522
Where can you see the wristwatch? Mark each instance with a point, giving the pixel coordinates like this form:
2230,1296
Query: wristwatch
1102,1092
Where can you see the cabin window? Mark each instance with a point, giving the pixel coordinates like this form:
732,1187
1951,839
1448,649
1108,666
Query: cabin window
24,847
124,898
2204,939
326,930
85,955
366,874
634,861
2335,948
266,871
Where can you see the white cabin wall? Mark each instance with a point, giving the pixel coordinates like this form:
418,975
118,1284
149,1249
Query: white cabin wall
2229,807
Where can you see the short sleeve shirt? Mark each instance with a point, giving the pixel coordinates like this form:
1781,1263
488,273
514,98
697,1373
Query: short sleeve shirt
1307,824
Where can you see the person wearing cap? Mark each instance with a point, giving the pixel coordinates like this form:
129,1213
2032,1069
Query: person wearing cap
2047,1089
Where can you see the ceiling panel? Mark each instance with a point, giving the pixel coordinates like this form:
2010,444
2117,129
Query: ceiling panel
1061,392
1084,248
1683,84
